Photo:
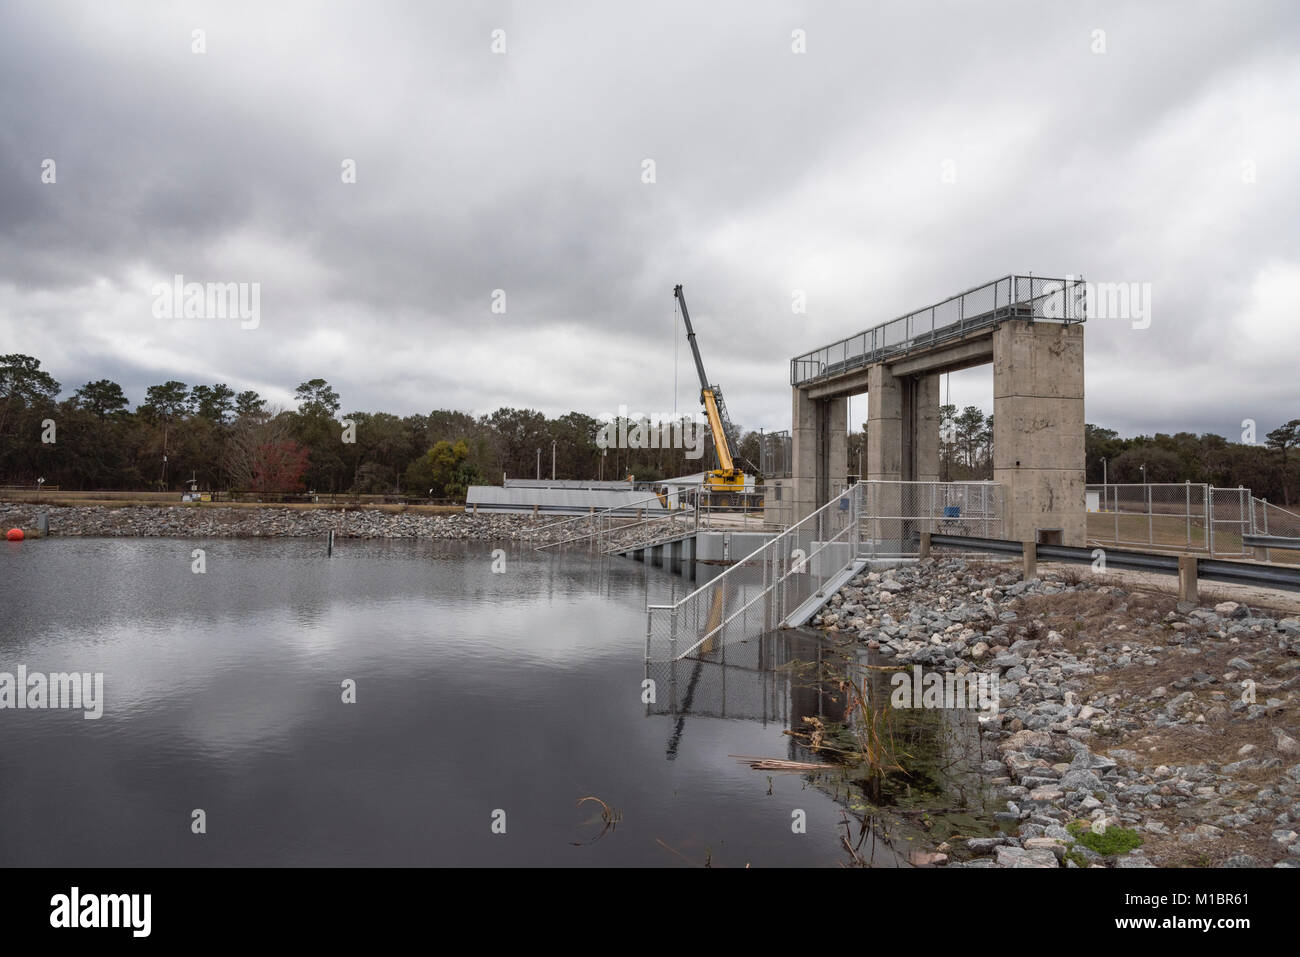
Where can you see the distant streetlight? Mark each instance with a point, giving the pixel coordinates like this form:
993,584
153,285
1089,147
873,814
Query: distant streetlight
552,460
1103,470
539,465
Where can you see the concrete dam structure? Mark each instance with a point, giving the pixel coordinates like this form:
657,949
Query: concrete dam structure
1029,328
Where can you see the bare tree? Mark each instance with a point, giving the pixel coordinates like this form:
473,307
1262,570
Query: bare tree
248,437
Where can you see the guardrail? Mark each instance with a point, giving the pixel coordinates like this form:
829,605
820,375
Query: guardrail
1189,568
1269,542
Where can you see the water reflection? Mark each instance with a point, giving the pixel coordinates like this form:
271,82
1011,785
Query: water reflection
476,692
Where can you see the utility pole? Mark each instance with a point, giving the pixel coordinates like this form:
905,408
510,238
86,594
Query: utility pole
539,465
552,460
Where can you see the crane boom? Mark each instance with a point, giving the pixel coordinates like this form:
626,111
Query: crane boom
714,407
690,337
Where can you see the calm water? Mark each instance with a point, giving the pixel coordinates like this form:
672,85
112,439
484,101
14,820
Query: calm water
475,692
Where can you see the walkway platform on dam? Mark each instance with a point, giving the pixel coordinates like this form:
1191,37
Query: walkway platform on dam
969,315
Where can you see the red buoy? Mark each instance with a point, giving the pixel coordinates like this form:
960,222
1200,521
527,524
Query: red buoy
15,535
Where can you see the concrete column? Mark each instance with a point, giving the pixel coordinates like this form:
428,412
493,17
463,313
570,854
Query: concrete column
884,458
803,459
926,440
819,433
837,451
1038,455
884,425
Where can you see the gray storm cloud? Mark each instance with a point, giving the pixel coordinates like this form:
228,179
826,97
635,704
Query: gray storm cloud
1166,159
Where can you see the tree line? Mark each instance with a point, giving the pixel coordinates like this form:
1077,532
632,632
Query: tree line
223,440
220,439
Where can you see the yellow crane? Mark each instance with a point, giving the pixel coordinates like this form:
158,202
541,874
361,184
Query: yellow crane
727,477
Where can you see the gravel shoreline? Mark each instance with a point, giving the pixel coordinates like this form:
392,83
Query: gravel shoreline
1121,711
147,521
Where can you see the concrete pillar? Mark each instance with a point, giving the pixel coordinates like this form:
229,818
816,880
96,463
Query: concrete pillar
1038,453
902,446
902,426
803,459
836,412
819,429
926,424
884,425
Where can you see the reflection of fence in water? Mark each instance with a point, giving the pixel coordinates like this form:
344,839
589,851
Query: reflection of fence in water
754,680
783,677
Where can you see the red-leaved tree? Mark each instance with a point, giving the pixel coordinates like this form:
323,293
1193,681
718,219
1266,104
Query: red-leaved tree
279,466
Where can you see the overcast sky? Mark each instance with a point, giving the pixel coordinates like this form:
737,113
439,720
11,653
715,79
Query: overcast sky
1170,159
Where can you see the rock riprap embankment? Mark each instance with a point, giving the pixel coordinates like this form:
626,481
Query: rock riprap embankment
1167,726
188,521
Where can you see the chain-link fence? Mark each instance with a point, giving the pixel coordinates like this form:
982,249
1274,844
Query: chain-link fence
1230,519
1270,519
1188,517
896,513
1173,515
774,454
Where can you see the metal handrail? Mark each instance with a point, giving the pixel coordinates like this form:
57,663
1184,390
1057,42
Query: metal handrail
937,328
598,517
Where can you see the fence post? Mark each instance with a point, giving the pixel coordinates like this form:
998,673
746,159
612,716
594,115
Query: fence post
1115,511
1264,502
1187,587
1151,521
855,513
925,546
1209,518
767,588
1030,555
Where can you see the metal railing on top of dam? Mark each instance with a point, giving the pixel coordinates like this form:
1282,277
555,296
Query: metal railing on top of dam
1011,297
